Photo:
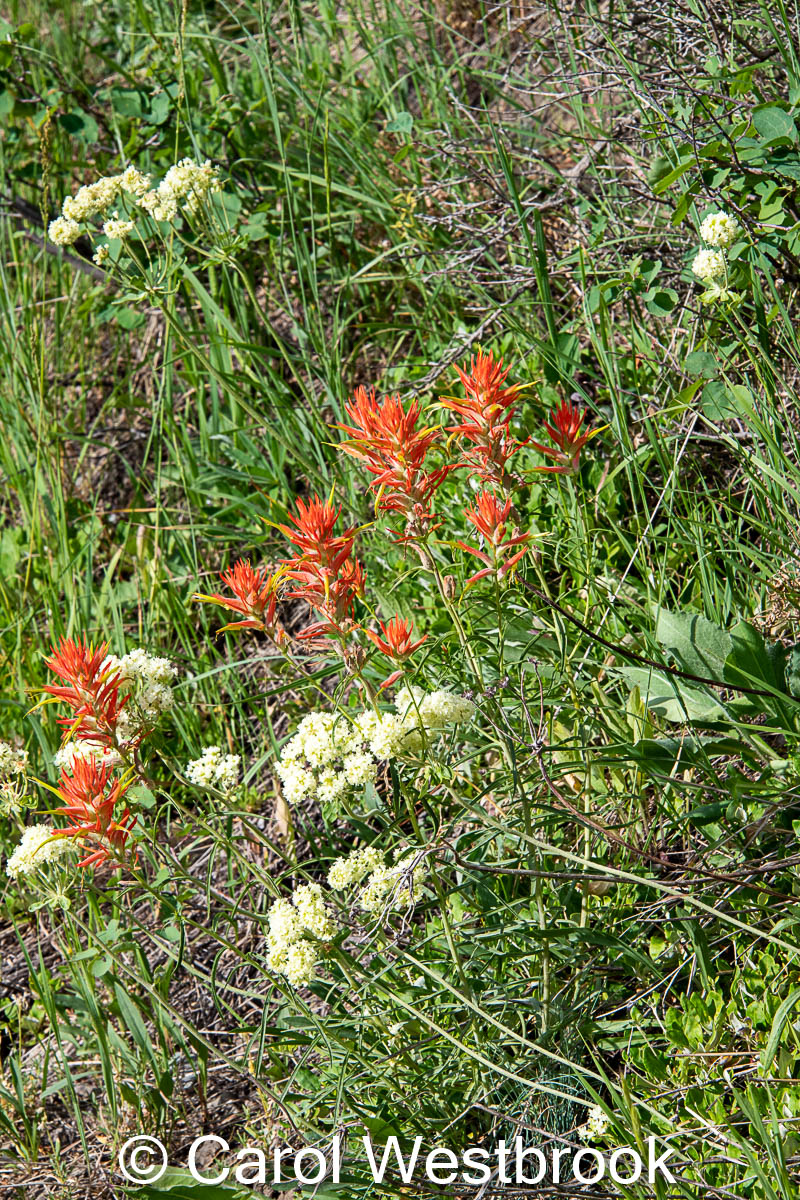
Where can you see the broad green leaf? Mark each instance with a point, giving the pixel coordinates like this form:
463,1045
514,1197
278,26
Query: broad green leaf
700,646
671,700
774,122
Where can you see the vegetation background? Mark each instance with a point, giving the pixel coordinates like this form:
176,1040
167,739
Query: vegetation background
404,183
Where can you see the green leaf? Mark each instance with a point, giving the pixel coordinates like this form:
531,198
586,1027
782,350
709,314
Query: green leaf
402,123
793,671
699,646
774,122
659,169
716,401
779,1022
751,661
671,700
660,301
80,125
702,363
179,1184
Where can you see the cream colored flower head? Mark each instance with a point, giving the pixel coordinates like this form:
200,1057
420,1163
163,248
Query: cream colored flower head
719,230
709,265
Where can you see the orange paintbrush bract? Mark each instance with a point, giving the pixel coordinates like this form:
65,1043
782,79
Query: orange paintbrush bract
490,518
324,573
91,689
569,441
385,438
396,644
255,597
90,799
485,411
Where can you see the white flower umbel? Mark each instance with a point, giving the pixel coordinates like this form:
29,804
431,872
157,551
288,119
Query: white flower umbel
13,782
719,230
350,870
37,847
299,963
63,231
392,887
214,768
71,752
312,913
290,952
148,679
101,254
92,199
596,1124
328,756
426,714
709,265
134,182
12,761
117,228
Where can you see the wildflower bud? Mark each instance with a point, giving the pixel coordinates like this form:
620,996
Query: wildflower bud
449,587
354,658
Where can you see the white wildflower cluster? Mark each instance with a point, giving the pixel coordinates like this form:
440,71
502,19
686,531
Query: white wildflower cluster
297,929
426,714
184,187
347,871
386,887
37,847
214,768
392,887
13,766
596,1124
719,229
709,265
12,761
92,199
329,755
150,679
71,752
116,228
189,183
64,231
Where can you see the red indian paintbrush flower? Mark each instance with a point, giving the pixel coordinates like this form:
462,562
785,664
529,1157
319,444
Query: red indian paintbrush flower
565,432
396,644
313,534
333,598
324,573
90,799
90,689
490,518
255,597
486,411
384,436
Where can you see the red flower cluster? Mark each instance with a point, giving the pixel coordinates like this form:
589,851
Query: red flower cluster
255,597
396,644
90,804
90,689
394,446
384,436
490,518
485,411
325,574
565,432
90,797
